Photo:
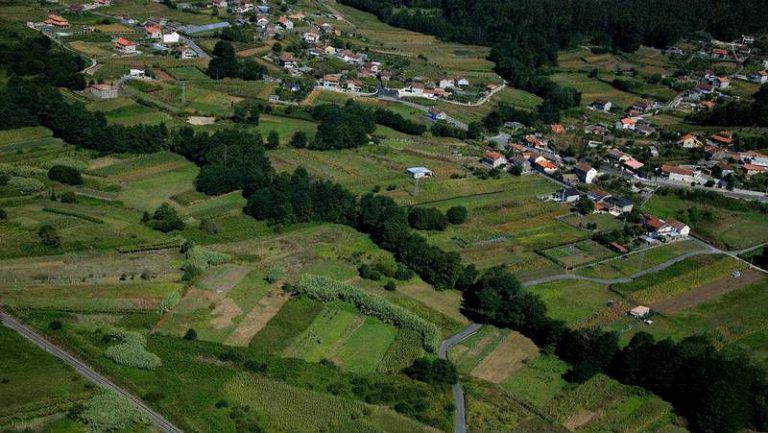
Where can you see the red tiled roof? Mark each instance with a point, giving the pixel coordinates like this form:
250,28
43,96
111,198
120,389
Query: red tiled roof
666,168
124,42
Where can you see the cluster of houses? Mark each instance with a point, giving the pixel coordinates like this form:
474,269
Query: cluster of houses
720,159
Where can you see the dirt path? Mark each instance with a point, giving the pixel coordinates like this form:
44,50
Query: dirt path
706,292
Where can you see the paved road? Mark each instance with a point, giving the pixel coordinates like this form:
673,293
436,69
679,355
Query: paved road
91,375
459,415
708,250
196,48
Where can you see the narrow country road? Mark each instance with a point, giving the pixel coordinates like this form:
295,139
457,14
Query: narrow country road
709,250
460,415
91,375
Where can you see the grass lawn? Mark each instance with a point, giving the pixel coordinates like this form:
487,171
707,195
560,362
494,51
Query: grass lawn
573,301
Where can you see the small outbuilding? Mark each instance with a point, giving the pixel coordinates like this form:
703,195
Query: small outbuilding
418,172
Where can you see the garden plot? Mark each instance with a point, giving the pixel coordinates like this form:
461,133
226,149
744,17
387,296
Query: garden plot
680,279
92,268
90,224
508,227
732,321
602,404
708,292
125,296
578,254
353,341
224,306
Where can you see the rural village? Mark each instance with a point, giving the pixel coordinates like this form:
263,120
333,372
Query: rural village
340,216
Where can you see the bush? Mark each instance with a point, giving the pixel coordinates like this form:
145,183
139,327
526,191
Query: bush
197,259
191,335
3,214
421,218
456,215
390,286
209,226
55,325
68,197
166,219
369,273
49,236
130,350
299,140
221,404
170,301
274,274
26,185
403,273
65,174
108,412
327,290
434,371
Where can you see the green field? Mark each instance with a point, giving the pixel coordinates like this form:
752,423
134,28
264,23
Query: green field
35,383
573,301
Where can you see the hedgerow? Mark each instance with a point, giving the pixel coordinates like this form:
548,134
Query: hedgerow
326,290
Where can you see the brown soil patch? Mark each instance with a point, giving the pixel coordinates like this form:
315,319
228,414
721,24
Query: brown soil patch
104,161
201,120
579,419
507,357
160,74
258,317
706,292
225,312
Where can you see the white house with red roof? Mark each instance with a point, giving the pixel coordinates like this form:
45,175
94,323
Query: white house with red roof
544,165
124,46
753,169
153,31
679,174
493,160
585,172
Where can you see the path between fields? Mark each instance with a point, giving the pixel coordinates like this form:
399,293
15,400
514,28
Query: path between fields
710,250
459,414
90,374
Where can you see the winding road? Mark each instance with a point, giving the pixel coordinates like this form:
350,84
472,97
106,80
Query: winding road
90,374
459,414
